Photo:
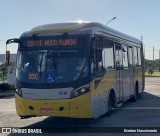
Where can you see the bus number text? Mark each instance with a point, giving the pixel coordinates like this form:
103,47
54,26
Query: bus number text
33,76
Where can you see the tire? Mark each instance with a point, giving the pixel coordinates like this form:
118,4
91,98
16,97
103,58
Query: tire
135,97
111,104
25,117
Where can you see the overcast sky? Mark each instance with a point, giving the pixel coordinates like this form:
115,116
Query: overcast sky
133,17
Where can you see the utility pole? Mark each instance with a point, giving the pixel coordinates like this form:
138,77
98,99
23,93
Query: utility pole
159,60
153,53
143,46
110,20
153,57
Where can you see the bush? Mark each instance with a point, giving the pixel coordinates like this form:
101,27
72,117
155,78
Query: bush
150,71
5,87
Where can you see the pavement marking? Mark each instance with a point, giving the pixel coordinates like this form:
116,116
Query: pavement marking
142,108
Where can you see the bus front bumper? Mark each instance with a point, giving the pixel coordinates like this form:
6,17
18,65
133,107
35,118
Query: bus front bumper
79,107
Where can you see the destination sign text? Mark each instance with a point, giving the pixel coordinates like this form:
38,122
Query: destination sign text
57,42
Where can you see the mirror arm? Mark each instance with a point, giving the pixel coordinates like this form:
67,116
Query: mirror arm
15,40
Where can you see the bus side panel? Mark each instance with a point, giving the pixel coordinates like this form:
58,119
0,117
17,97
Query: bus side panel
138,77
20,108
126,84
100,93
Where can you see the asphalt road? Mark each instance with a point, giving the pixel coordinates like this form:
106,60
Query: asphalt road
145,112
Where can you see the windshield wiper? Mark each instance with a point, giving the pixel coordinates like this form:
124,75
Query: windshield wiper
40,65
55,62
80,72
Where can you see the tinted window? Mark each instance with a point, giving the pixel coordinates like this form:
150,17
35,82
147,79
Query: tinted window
130,56
99,60
51,66
118,56
135,57
125,57
139,56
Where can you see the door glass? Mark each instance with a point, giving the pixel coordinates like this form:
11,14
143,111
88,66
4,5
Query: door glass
119,57
130,56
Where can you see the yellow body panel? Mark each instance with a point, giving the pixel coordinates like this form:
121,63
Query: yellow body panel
79,107
138,74
22,107
105,84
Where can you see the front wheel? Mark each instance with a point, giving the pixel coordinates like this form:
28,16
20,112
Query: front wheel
111,104
135,97
25,117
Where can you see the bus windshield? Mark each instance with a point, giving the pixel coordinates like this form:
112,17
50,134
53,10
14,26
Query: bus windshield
51,66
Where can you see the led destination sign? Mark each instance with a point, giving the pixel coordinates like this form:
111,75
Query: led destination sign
51,42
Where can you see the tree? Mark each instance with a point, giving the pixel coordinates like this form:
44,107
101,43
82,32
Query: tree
150,70
4,72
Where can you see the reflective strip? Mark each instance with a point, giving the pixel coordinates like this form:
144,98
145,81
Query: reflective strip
60,93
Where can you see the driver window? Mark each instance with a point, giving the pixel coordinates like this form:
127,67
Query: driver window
98,58
28,62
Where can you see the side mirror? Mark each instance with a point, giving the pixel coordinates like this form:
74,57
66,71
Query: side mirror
9,41
7,58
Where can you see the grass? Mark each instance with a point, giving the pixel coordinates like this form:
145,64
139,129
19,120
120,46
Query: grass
155,73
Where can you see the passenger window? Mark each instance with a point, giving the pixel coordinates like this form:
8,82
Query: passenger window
130,56
118,56
139,56
135,57
125,57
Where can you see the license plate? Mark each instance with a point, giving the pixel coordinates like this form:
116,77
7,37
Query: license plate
46,110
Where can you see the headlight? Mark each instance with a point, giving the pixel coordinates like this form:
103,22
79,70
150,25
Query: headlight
19,92
80,91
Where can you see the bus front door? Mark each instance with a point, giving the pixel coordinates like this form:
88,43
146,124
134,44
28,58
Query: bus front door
131,68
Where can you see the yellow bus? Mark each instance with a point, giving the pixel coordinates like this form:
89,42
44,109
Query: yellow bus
76,70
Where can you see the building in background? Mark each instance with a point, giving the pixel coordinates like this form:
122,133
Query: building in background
11,68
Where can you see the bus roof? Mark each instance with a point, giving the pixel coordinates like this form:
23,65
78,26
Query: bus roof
80,27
